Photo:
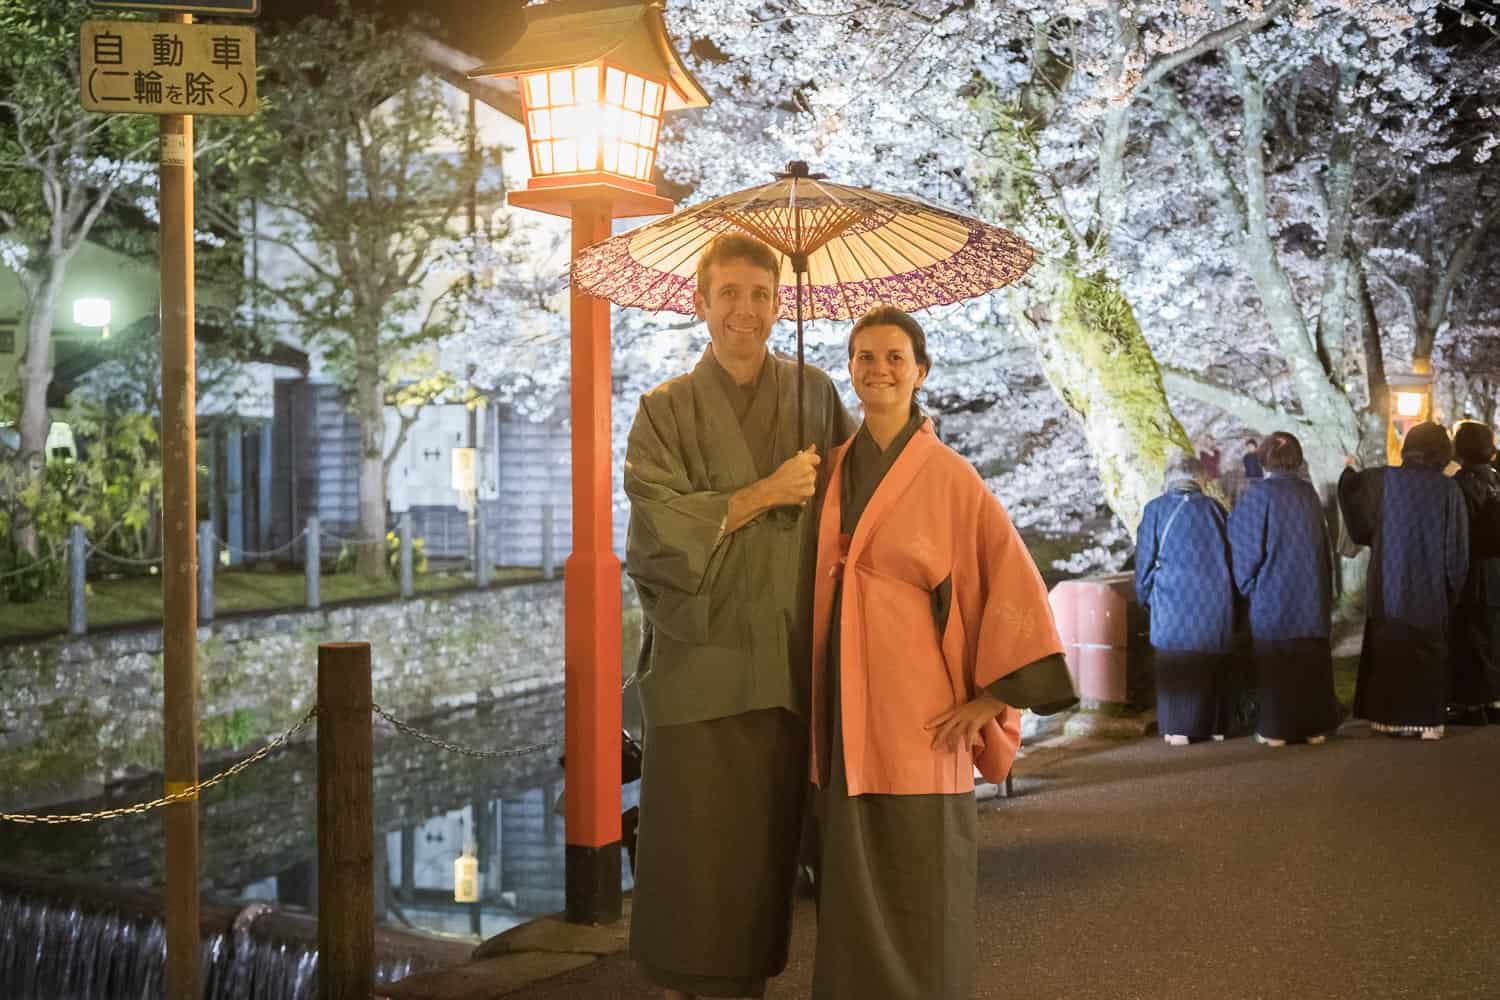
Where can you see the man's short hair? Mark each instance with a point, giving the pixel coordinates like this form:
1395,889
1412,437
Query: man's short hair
1181,465
1427,444
1474,442
1281,452
737,246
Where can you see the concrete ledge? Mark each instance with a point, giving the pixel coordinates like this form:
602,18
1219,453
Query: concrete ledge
536,950
553,935
1109,725
485,980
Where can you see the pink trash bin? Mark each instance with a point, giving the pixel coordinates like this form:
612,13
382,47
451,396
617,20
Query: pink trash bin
1094,621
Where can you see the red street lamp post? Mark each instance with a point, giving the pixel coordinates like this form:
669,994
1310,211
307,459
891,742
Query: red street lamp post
596,77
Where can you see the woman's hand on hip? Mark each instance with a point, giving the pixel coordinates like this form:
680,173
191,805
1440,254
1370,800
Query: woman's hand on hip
958,727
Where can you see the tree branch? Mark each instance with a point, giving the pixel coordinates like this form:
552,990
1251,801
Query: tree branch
1437,309
1166,63
1246,409
1200,146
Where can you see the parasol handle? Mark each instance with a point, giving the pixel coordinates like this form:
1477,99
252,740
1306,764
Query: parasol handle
799,264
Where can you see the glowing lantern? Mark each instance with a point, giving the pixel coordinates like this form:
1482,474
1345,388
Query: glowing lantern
1410,404
595,79
466,878
590,119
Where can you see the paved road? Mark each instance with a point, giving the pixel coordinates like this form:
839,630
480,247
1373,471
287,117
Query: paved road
1366,868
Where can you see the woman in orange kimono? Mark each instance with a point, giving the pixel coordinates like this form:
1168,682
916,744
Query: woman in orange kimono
931,628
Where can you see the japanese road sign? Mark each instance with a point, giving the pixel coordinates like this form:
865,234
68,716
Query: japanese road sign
159,68
248,8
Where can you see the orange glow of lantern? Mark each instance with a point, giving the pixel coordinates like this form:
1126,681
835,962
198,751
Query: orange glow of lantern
1409,404
595,79
591,119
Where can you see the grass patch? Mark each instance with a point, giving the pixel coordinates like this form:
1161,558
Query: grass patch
1345,670
137,600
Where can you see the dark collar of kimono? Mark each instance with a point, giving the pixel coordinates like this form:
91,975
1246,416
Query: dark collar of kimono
903,471
745,460
1184,486
736,392
867,458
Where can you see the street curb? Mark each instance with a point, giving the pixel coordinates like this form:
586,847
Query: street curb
527,953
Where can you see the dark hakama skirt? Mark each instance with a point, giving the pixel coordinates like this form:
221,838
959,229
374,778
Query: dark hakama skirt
1295,681
1474,657
1192,692
1403,676
722,803
896,889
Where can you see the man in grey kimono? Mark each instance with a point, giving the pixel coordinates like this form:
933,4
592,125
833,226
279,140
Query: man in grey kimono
721,548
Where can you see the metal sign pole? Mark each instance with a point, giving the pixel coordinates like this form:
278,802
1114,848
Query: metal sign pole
179,550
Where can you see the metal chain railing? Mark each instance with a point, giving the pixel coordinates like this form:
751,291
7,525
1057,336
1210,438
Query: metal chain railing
257,554
124,560
166,800
437,741
29,567
340,539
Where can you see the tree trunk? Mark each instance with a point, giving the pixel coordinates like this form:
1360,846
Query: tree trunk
1093,354
370,403
36,378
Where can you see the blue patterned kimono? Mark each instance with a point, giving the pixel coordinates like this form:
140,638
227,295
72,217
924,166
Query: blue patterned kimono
1414,521
1185,580
1182,576
1281,559
1282,563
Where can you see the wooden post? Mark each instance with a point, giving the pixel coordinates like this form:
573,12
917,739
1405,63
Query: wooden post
179,564
205,572
346,823
591,586
77,582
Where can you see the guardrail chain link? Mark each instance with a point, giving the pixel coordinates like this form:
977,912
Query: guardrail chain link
255,554
266,751
123,560
351,541
443,744
29,567
166,800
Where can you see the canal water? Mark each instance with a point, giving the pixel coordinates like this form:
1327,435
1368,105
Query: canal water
258,836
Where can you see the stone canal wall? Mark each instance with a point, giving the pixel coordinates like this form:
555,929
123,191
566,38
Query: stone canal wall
77,714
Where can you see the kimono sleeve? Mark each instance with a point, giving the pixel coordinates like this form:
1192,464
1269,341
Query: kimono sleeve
1145,554
1455,540
1247,539
675,529
1005,599
1359,502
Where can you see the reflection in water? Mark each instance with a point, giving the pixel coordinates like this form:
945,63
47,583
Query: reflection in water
258,842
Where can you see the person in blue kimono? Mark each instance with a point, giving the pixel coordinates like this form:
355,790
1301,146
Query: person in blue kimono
1413,519
1474,646
1182,576
1278,542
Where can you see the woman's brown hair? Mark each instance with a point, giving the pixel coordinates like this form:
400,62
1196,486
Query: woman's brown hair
891,316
